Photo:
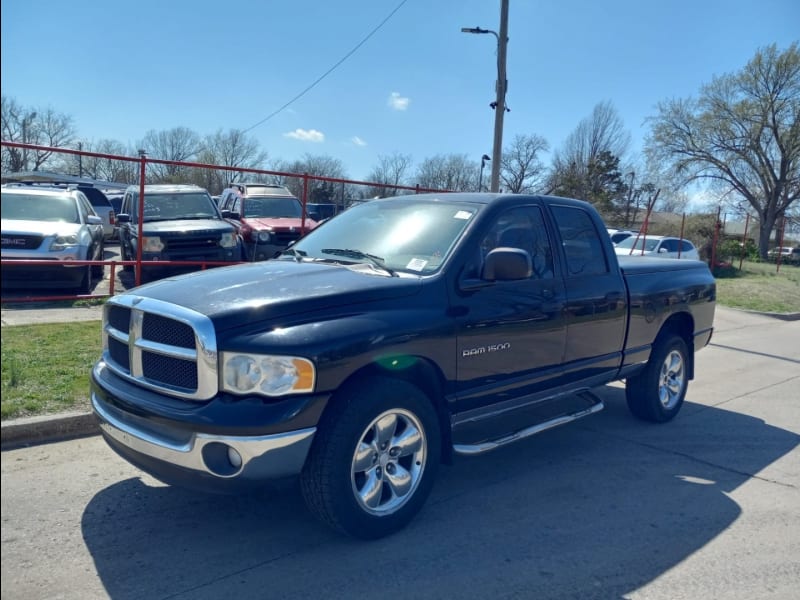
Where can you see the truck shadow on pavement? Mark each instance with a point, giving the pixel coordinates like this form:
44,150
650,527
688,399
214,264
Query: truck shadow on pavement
596,509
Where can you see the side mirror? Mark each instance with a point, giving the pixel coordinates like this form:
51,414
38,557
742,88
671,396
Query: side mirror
123,218
507,264
663,251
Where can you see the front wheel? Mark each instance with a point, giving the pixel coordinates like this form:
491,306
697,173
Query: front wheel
84,286
374,458
656,393
124,257
99,270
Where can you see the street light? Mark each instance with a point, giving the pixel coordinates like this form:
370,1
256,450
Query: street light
499,105
25,120
484,158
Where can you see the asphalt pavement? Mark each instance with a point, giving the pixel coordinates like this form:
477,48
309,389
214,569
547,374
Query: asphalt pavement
707,506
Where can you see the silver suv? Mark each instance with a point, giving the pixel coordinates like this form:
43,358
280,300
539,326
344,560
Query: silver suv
100,203
51,224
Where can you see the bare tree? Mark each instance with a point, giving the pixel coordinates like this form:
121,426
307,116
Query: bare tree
234,149
742,135
102,168
41,126
521,169
177,144
600,139
317,166
452,172
390,170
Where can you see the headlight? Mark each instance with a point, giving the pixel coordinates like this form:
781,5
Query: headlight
228,240
268,375
263,237
62,242
152,244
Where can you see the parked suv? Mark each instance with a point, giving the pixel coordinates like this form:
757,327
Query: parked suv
50,224
181,223
267,217
787,254
99,201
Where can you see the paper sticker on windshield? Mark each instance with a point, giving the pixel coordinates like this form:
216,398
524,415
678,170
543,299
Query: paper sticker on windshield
462,214
416,264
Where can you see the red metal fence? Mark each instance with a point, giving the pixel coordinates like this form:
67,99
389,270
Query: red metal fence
144,162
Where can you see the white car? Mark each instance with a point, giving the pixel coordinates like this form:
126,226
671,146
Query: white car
617,235
657,245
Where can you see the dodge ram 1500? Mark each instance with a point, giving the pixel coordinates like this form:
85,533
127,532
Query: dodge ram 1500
398,334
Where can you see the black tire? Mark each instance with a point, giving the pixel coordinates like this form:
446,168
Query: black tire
123,254
99,270
378,417
84,286
656,394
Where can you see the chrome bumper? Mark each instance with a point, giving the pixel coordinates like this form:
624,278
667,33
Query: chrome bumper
225,457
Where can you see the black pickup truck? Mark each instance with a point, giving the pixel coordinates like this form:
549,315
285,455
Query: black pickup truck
398,334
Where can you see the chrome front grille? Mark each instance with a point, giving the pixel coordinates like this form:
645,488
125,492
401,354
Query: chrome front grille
22,241
161,346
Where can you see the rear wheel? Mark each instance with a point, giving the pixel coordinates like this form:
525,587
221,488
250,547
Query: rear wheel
656,393
374,458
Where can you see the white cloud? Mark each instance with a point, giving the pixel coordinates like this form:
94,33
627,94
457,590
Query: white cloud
306,135
358,141
398,102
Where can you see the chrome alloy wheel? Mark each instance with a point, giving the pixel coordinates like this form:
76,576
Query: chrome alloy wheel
671,380
388,462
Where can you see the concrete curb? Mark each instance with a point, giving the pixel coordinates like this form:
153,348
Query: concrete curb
780,316
31,431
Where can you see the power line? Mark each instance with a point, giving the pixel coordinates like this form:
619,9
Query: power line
329,71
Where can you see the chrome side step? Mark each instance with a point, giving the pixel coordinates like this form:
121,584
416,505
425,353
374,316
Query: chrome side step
480,448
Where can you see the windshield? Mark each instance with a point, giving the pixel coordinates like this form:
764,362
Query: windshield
162,207
35,207
253,208
649,243
407,234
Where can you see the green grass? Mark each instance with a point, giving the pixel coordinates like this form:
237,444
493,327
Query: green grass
761,287
45,367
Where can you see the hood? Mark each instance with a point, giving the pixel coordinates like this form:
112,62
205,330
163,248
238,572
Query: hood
182,226
247,293
21,227
279,223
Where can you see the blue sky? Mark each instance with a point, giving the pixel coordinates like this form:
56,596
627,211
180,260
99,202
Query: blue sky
418,86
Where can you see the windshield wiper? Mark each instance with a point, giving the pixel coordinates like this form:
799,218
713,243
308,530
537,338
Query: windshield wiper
378,261
297,254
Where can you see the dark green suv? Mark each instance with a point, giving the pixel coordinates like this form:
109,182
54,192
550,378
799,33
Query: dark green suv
181,223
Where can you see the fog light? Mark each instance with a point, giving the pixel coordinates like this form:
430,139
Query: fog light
235,458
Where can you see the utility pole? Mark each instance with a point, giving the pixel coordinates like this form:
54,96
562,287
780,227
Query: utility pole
500,106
